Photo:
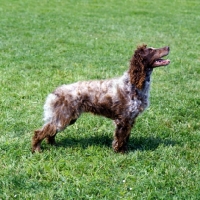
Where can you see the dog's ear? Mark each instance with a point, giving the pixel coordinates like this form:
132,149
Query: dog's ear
137,68
140,49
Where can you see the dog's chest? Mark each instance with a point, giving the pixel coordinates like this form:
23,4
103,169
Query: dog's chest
139,100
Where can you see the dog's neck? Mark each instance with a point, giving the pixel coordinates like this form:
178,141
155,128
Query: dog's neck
145,82
141,94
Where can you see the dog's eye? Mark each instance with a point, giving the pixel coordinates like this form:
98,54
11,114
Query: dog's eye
151,50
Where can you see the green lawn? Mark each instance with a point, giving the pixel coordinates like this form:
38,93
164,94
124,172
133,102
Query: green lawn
44,44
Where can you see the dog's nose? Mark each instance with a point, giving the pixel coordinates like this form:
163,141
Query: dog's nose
167,48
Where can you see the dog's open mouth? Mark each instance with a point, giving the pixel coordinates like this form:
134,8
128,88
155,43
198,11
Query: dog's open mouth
161,62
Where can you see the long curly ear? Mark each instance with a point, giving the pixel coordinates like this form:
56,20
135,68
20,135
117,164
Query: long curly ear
137,69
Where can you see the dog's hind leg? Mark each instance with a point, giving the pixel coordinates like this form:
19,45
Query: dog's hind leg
58,114
48,130
51,138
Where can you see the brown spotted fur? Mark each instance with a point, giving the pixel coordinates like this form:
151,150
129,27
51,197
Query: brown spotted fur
120,99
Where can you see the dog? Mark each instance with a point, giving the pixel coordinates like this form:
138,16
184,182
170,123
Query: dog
121,99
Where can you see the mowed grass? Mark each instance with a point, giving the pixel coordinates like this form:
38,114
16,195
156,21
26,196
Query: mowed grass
44,44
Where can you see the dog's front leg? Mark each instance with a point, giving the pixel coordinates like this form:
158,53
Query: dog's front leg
121,135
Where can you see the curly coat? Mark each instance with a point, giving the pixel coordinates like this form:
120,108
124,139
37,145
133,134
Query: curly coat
120,99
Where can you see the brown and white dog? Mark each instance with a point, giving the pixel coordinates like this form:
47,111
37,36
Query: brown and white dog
121,99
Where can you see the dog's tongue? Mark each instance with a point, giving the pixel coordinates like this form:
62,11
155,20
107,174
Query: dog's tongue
161,62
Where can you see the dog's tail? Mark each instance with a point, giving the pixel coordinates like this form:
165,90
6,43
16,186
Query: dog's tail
49,107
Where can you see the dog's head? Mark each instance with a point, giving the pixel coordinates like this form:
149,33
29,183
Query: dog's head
152,57
144,61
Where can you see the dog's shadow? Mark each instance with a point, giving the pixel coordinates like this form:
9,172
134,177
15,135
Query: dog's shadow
148,143
135,143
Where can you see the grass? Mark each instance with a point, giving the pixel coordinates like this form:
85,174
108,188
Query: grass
44,44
